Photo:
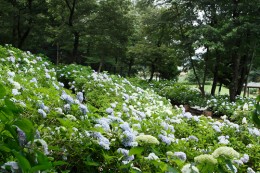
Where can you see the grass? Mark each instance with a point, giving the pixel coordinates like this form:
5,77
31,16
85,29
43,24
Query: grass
224,90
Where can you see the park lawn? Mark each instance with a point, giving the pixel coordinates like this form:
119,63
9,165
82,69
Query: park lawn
224,90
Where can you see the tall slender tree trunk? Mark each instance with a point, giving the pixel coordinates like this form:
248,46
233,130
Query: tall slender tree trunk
242,73
100,65
235,75
23,35
215,75
57,54
23,38
130,65
201,86
116,64
75,47
152,72
235,56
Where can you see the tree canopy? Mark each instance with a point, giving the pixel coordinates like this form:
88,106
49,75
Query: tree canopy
216,39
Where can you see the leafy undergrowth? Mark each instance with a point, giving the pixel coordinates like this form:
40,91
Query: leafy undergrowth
104,123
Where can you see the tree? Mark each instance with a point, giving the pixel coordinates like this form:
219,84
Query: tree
20,19
70,19
227,30
110,29
153,46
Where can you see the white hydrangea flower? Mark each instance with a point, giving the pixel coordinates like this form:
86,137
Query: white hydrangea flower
245,107
216,128
109,110
205,158
15,92
58,110
102,141
16,85
245,158
254,131
44,145
11,58
224,117
71,117
192,137
233,166
188,168
83,109
33,80
152,156
40,111
14,166
250,170
11,74
165,139
223,140
147,139
47,75
244,121
226,152
181,155
80,97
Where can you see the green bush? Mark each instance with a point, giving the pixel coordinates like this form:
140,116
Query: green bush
106,123
182,94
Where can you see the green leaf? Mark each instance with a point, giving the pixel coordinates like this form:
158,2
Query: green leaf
11,106
171,169
230,165
91,163
43,163
23,163
59,163
41,158
255,115
136,151
133,170
2,91
7,133
4,148
6,115
27,127
42,167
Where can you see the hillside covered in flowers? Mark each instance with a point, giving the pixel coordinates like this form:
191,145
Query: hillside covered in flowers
72,119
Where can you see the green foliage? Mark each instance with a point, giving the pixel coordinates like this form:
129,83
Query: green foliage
94,124
221,105
181,94
17,138
256,112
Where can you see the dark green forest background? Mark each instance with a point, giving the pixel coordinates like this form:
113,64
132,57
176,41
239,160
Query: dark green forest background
126,37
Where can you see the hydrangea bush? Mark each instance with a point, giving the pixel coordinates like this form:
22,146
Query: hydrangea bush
96,122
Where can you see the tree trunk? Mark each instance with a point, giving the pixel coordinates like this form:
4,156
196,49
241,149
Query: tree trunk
201,87
219,89
206,59
215,75
214,85
152,72
115,66
23,38
100,65
75,47
234,81
243,72
14,34
144,73
130,65
235,59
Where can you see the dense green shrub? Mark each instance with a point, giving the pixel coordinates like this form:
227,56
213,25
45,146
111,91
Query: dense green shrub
182,94
105,123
